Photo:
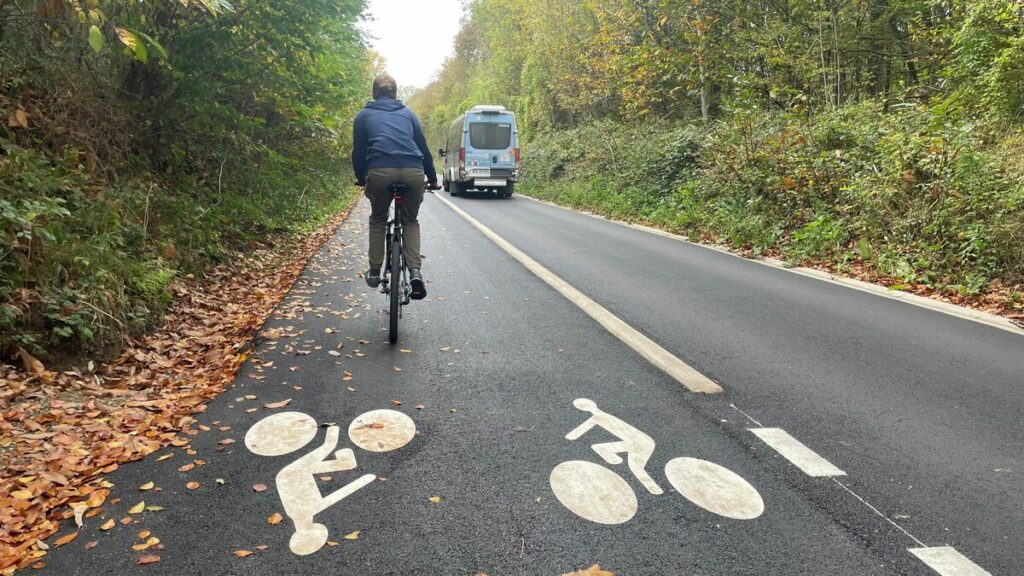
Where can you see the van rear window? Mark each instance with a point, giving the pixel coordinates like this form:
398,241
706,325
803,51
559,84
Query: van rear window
490,135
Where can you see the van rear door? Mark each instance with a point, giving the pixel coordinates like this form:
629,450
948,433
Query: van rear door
490,141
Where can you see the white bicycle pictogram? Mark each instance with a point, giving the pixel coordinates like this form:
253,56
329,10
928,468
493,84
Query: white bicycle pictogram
600,495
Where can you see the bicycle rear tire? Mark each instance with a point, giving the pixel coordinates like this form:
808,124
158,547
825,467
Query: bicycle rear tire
396,289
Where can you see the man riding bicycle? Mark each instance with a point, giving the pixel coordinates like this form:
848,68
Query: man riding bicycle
388,147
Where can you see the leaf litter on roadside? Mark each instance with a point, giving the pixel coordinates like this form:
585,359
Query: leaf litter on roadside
141,401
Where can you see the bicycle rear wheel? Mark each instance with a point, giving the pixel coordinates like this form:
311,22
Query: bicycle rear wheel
396,291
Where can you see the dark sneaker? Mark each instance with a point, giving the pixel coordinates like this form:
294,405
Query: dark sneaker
419,289
372,278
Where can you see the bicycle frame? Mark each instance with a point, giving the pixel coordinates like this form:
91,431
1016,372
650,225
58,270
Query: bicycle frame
394,231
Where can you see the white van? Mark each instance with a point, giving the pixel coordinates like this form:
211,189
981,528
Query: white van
482,152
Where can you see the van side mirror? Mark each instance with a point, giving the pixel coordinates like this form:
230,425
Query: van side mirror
442,151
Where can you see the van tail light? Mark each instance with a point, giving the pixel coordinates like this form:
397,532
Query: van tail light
462,159
515,151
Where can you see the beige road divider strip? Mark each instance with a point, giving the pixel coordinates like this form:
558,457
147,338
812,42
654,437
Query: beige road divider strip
685,374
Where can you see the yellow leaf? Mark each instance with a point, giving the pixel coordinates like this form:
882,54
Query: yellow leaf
144,534
242,553
138,508
352,535
147,486
435,499
22,494
107,525
275,519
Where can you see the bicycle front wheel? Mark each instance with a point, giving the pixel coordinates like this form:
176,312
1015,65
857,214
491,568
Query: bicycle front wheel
396,291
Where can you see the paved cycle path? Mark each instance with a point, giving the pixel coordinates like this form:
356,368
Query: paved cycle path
487,370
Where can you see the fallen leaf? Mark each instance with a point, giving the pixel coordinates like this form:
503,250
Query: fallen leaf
187,467
108,525
147,486
91,545
226,441
259,487
352,535
420,406
280,404
192,485
165,457
32,364
262,547
435,499
152,508
65,539
396,368
79,509
332,543
405,350
594,570
144,534
275,519
138,508
242,553
148,559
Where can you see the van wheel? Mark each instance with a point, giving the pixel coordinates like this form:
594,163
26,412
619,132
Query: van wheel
509,190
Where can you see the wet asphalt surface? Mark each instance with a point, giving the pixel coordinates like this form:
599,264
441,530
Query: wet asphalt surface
918,408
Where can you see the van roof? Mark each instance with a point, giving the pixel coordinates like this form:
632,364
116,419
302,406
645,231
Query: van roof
488,108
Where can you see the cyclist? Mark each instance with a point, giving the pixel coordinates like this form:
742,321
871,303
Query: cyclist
388,147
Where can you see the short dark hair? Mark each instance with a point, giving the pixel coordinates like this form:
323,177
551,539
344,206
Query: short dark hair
385,85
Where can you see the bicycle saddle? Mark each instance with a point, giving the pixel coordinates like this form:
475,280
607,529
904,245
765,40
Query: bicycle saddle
398,189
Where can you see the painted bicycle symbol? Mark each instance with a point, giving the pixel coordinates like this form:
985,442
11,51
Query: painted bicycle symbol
598,494
286,432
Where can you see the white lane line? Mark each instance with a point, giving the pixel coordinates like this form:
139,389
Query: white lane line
796,452
948,562
685,374
932,304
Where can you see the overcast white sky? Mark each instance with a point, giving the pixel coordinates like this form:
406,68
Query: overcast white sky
414,36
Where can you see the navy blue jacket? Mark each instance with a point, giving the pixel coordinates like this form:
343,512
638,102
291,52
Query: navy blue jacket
386,134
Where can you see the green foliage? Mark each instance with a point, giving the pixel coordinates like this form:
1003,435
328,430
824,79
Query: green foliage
152,139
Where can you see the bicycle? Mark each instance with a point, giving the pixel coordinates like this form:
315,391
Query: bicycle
595,493
394,262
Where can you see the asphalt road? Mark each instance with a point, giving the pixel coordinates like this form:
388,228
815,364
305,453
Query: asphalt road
922,411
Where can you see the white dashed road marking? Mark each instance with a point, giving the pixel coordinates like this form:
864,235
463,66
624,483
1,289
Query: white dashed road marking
796,452
685,374
948,562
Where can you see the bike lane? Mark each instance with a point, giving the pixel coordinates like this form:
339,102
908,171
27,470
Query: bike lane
487,371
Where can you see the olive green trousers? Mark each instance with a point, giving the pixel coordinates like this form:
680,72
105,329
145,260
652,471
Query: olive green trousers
377,182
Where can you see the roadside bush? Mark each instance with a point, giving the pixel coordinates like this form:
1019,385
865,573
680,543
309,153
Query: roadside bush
916,193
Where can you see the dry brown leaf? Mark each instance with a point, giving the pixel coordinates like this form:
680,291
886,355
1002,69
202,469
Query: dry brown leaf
165,457
242,553
192,485
187,467
148,559
91,545
275,519
259,487
32,364
280,404
65,539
